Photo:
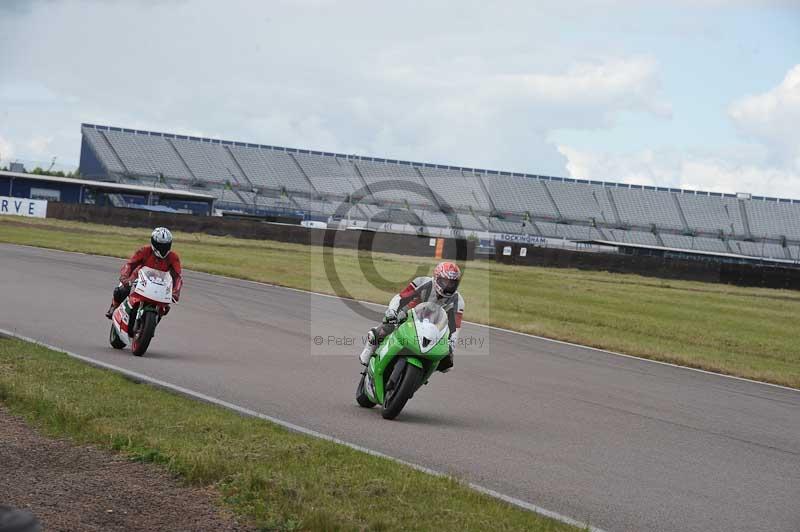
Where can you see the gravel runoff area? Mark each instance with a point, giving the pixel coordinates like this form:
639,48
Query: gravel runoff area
71,487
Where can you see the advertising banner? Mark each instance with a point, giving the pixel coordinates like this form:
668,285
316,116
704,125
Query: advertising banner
23,207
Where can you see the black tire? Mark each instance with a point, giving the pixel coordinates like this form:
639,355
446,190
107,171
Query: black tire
144,333
396,399
114,339
361,396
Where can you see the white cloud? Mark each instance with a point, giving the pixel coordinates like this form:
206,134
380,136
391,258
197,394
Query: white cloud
473,86
768,165
6,151
735,170
639,168
773,118
614,83
497,116
40,145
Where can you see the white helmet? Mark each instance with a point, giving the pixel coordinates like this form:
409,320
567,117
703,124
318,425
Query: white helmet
161,242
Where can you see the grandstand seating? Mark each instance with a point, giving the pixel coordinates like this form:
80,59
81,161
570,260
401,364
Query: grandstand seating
208,162
774,220
264,201
710,213
257,167
677,241
98,142
638,237
391,182
578,201
639,207
574,232
128,148
714,245
328,176
505,226
262,178
761,249
456,189
316,208
519,194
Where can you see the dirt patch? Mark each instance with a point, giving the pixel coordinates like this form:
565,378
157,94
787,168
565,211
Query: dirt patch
80,488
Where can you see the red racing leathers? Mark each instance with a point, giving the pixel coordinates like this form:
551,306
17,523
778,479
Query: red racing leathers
145,257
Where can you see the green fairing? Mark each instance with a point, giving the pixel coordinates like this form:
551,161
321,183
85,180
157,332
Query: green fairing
403,342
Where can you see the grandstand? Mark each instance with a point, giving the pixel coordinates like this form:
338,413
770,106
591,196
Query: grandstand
406,196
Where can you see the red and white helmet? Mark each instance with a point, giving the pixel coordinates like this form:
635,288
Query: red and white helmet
446,278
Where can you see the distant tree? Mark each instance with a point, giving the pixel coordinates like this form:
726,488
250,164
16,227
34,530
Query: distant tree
41,171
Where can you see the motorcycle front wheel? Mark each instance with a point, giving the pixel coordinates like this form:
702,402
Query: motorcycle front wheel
144,333
114,339
397,397
361,395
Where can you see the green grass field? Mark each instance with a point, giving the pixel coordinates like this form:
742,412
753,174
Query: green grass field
278,479
746,332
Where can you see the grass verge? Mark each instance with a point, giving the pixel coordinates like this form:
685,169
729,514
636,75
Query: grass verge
727,329
280,480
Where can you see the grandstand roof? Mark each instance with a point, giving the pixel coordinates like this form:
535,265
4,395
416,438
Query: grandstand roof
118,187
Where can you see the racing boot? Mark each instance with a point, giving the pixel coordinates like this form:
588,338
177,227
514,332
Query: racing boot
111,310
446,364
369,349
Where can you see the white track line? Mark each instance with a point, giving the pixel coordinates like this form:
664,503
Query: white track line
300,429
492,327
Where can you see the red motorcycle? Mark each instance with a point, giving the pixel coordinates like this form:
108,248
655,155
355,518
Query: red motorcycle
134,322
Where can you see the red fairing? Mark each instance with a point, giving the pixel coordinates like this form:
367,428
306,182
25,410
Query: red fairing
145,257
134,299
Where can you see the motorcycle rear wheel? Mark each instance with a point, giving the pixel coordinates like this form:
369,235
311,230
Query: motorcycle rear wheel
397,398
144,333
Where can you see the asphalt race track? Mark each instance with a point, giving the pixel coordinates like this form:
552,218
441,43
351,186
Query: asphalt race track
622,443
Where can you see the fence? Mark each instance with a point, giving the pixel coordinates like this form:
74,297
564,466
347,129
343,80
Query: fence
764,275
403,244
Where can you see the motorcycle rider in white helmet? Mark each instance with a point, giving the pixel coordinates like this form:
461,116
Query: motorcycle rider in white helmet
159,256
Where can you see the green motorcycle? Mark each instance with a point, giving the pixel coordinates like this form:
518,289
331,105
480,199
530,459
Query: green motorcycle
405,360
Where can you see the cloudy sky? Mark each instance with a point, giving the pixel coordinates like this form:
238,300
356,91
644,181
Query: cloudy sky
698,93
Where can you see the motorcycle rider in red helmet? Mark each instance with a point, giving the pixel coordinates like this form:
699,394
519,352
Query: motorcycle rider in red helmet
159,256
442,289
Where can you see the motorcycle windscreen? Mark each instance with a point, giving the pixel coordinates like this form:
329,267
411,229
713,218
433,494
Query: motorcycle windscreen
154,285
431,324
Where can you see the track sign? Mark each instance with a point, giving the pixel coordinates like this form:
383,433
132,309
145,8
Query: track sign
507,251
23,207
